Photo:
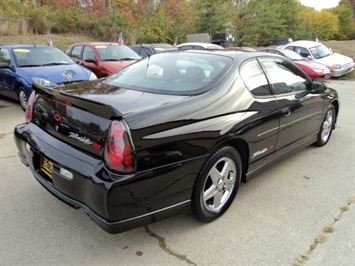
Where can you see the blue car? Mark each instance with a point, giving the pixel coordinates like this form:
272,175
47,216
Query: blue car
22,65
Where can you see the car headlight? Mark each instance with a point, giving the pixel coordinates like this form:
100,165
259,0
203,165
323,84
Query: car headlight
44,82
92,76
337,66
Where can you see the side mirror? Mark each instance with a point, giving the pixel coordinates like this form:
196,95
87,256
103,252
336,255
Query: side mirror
318,86
90,60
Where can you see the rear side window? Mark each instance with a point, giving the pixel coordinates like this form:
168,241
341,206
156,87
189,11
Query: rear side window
284,76
254,79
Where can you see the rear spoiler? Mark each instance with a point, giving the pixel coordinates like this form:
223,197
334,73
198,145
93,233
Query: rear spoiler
99,109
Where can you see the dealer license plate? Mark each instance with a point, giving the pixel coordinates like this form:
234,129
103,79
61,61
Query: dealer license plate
47,167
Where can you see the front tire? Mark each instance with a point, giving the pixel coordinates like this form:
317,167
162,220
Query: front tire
217,184
23,97
326,127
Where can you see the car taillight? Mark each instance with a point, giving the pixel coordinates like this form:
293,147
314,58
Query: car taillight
119,149
29,108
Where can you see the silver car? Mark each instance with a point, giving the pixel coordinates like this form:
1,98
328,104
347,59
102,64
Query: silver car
338,64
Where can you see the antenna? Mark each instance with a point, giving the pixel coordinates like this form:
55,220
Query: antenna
145,51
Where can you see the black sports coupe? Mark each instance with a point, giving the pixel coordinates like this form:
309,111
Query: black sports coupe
172,133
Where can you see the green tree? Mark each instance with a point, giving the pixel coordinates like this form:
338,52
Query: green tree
213,16
346,23
323,24
260,20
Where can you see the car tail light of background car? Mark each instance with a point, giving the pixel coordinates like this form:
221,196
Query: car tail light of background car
118,150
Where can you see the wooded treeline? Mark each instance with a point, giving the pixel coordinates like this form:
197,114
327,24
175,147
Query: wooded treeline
150,21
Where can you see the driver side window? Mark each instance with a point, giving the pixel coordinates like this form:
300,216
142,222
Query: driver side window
284,76
302,52
88,53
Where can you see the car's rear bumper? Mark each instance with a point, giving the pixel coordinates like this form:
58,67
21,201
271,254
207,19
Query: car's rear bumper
114,227
116,205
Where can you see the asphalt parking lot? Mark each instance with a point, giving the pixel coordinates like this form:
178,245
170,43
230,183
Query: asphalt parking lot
300,211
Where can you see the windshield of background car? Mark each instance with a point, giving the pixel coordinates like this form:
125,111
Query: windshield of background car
40,56
320,51
173,73
116,52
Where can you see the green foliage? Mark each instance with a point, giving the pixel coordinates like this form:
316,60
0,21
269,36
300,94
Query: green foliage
37,19
346,23
260,20
253,21
69,20
213,16
324,24
11,9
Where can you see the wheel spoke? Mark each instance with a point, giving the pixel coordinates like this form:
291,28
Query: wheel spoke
227,168
215,175
229,184
209,193
217,201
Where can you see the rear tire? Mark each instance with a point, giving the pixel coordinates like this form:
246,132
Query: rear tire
326,127
217,184
23,97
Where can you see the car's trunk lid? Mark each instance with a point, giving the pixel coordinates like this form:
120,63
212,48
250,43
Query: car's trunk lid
80,114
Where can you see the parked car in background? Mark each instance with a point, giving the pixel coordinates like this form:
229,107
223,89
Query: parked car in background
277,41
242,49
142,145
338,64
199,46
102,58
312,69
23,65
146,49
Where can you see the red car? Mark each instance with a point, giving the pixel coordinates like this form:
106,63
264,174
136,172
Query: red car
102,58
312,69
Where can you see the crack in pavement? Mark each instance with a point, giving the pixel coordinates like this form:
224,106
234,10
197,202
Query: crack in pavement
163,245
323,237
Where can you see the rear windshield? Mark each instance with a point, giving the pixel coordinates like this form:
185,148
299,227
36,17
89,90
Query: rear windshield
173,73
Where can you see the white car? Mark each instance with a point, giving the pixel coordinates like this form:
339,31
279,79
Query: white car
338,64
199,46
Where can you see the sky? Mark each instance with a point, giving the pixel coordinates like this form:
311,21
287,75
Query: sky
320,4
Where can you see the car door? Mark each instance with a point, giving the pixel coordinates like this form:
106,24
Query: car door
90,60
264,127
299,117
